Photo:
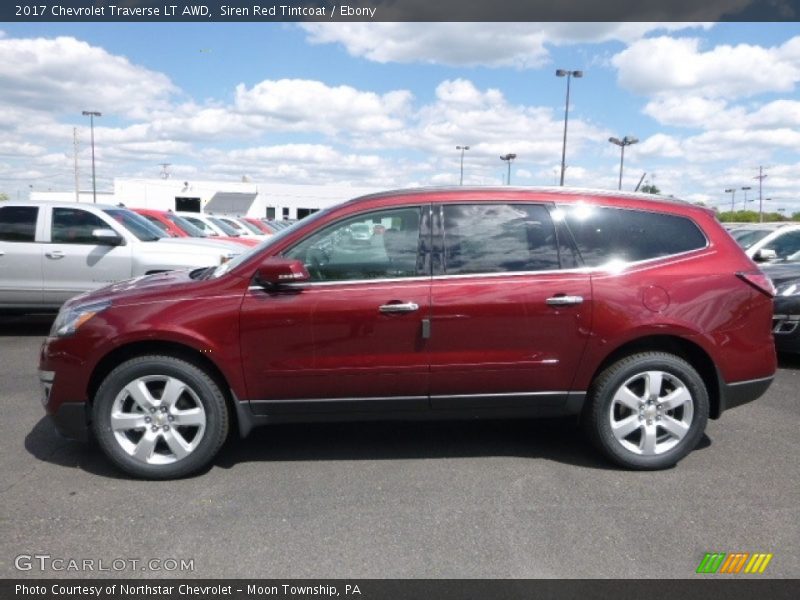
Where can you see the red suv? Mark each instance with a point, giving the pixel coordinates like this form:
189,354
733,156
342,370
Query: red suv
641,316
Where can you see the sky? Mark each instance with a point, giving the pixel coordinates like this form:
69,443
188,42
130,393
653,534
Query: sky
384,105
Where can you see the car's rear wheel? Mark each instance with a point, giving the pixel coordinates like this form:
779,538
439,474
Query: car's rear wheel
159,417
647,411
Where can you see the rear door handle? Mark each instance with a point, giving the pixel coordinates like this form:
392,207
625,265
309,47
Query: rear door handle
399,307
564,300
55,254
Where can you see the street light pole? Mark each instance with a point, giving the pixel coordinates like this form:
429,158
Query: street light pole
732,192
569,75
626,141
509,159
92,114
745,188
463,149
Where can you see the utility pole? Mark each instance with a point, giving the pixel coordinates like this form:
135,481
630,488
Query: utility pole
75,157
761,175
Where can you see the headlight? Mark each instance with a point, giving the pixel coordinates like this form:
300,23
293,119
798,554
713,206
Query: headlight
792,289
70,319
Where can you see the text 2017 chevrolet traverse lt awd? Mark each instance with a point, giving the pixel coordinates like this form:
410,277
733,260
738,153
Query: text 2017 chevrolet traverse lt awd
639,315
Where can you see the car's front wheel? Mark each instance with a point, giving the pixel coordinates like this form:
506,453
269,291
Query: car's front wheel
160,417
647,411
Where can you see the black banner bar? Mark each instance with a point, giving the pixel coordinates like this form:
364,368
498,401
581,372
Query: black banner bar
705,588
398,10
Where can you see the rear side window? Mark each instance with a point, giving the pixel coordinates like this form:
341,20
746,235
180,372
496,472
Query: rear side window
18,223
606,234
498,238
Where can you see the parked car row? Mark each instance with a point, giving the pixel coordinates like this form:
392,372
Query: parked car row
776,246
50,252
639,316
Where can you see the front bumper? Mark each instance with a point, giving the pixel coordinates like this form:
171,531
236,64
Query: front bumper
71,419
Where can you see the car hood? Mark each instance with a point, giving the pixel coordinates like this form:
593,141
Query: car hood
190,245
134,290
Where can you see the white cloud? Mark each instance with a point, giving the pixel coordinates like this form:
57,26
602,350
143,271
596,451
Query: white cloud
305,105
665,65
66,75
519,45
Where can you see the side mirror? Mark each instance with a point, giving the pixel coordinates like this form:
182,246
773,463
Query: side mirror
764,255
107,237
276,271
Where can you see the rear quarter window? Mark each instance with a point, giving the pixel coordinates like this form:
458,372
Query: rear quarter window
605,234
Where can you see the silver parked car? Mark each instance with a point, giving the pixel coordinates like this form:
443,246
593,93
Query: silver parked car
51,251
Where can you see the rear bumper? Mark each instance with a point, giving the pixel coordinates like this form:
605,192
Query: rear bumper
786,329
741,392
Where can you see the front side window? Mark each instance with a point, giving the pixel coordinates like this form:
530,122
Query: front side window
75,226
604,235
786,244
498,238
378,245
18,223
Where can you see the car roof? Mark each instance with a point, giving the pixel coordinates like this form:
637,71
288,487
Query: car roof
40,203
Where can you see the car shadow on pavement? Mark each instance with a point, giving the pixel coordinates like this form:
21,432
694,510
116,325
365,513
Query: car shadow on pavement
26,325
44,443
557,440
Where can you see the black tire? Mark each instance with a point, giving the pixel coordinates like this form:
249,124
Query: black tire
200,389
629,372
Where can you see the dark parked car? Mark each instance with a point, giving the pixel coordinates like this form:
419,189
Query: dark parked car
641,317
785,276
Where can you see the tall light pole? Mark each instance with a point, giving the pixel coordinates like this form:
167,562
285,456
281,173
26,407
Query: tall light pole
626,141
509,158
463,149
744,189
92,114
732,192
569,75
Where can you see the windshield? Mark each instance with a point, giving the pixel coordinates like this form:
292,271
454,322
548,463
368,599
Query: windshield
230,231
747,237
251,227
269,241
186,226
136,224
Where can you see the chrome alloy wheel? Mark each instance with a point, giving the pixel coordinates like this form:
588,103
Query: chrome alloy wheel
651,413
158,419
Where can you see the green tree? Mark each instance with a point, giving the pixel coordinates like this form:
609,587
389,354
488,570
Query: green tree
3,196
649,189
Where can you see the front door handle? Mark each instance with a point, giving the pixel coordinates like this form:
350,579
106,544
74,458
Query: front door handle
564,300
55,254
399,307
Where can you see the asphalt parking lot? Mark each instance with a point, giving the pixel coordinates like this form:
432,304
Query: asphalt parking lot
454,499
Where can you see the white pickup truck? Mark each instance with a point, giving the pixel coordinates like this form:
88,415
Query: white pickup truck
52,251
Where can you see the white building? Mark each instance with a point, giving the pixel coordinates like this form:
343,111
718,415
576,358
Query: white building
270,200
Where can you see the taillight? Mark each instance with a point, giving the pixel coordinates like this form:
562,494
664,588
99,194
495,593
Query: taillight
759,281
